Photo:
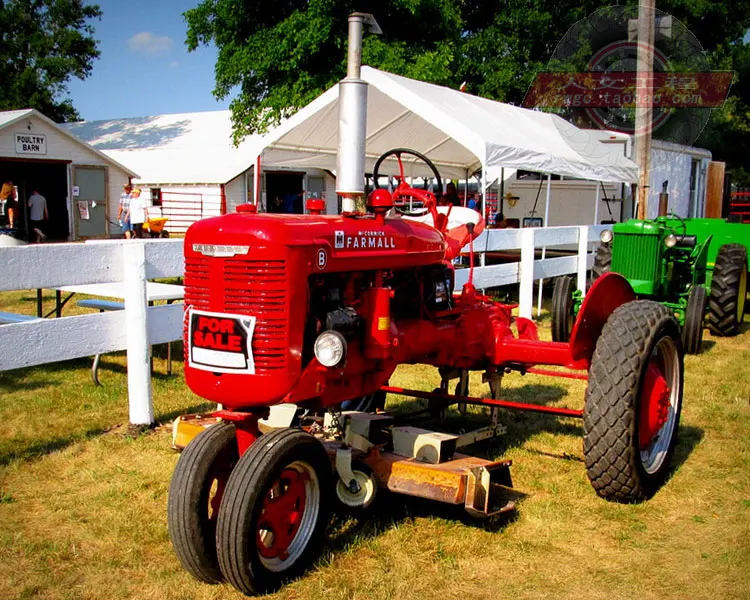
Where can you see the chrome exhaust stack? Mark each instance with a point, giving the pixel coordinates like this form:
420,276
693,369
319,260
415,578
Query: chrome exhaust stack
350,161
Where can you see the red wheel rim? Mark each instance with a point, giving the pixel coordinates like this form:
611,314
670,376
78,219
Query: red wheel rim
655,395
218,480
659,399
281,514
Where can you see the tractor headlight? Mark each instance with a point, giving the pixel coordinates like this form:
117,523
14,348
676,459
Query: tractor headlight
330,349
606,236
670,241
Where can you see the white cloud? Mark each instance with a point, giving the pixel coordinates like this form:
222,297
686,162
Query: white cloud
148,43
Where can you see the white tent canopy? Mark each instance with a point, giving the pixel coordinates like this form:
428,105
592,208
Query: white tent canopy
459,132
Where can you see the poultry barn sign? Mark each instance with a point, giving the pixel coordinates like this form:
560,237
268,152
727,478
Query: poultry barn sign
28,143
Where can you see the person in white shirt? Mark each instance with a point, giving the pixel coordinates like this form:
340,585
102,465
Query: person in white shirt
38,214
137,212
122,210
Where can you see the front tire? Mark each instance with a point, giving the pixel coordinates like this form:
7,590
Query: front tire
563,308
195,494
273,519
692,331
602,262
726,304
633,402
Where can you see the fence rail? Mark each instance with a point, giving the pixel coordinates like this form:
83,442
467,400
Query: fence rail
580,239
185,208
138,327
135,329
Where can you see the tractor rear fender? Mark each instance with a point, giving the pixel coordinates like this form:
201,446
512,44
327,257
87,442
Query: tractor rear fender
609,291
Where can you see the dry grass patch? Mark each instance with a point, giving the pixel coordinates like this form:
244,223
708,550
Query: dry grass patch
83,503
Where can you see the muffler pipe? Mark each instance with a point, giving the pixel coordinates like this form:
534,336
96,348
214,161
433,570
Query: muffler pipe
350,161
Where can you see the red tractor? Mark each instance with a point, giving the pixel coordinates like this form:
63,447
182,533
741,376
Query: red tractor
290,317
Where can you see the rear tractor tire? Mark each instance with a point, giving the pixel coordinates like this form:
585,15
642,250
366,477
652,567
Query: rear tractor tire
726,304
633,402
195,494
273,519
692,331
563,308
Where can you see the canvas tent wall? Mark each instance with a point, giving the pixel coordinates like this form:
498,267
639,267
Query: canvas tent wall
459,132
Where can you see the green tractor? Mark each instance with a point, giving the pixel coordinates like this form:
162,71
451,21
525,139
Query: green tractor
689,265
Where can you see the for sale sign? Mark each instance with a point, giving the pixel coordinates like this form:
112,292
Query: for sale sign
221,342
31,143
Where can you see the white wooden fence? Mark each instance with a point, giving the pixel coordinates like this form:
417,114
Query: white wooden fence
138,327
528,269
134,329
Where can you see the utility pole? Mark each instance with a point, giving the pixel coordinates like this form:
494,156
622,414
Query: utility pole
644,103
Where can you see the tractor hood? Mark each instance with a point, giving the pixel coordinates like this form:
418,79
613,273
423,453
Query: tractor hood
340,243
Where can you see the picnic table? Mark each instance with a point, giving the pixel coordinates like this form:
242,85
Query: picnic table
154,292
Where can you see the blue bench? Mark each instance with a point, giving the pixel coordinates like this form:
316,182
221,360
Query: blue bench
8,318
101,306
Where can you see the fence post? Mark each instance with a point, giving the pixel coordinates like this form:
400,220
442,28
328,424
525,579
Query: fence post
136,321
526,287
583,255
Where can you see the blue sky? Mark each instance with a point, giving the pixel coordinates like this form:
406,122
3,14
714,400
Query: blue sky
145,68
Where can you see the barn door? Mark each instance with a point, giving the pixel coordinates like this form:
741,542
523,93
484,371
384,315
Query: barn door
90,203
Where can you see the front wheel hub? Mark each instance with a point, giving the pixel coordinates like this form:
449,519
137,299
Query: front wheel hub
281,514
655,397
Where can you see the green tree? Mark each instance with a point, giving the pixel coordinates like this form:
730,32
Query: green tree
43,43
278,56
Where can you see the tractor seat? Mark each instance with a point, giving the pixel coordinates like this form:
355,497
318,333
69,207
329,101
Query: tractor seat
453,221
453,217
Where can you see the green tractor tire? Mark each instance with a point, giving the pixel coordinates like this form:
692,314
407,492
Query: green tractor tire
602,262
726,303
563,308
692,331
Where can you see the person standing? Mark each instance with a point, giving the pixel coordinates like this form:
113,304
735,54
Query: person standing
450,197
38,214
137,214
8,201
124,209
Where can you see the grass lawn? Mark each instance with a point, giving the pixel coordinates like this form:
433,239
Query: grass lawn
83,504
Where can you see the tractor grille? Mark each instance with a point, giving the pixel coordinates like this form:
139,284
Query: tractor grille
245,287
636,257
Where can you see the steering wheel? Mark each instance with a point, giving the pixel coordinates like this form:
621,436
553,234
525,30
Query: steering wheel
674,215
403,192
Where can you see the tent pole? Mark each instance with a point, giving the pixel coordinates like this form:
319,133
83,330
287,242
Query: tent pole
596,204
544,249
256,182
483,186
500,208
466,189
